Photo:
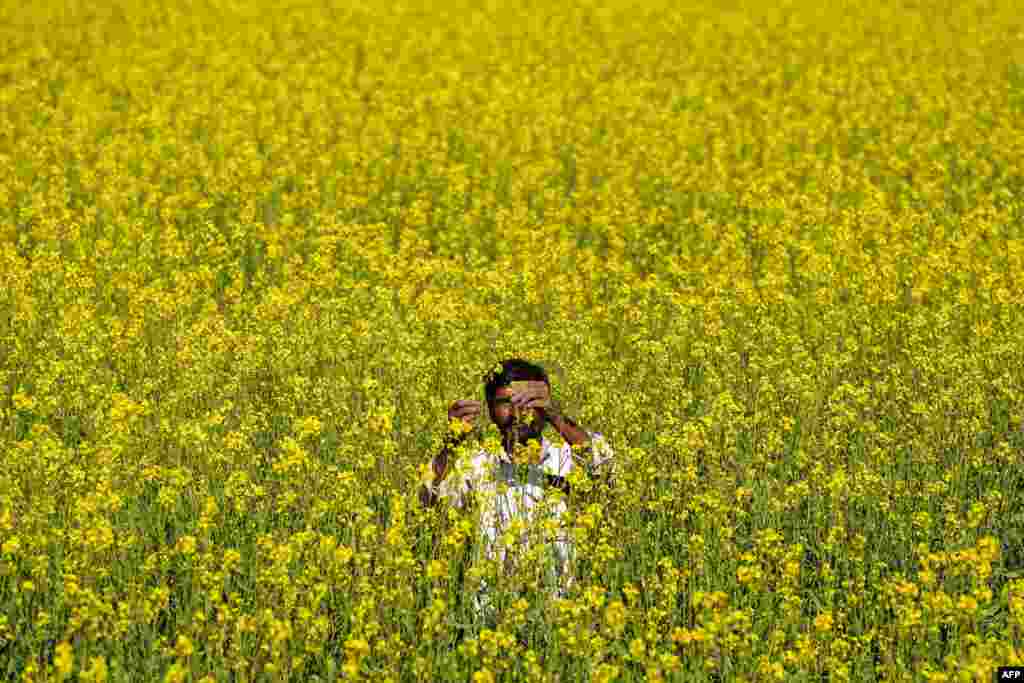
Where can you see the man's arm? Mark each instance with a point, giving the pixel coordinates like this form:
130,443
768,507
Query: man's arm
440,465
537,394
566,427
594,453
570,431
467,411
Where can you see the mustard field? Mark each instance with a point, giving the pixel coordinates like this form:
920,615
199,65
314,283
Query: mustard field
250,253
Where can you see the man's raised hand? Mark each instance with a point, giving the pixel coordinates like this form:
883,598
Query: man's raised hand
466,410
533,394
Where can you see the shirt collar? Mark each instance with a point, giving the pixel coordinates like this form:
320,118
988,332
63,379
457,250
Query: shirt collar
546,450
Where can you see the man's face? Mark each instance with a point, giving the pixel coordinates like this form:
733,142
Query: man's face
523,424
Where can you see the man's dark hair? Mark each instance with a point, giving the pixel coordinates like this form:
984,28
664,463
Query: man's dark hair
512,370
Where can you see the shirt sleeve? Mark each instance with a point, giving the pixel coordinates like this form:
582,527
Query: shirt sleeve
463,479
602,456
596,457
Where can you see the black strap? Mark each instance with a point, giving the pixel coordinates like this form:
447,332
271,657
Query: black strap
560,483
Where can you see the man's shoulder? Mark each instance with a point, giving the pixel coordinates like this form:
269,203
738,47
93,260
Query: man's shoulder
597,452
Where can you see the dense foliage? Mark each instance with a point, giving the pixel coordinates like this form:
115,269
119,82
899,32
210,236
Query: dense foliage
251,251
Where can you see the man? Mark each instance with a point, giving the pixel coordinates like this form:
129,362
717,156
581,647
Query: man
510,487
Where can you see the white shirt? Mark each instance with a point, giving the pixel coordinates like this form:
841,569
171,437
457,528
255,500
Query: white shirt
504,495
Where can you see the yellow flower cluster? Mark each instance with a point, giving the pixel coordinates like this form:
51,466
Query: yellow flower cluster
252,251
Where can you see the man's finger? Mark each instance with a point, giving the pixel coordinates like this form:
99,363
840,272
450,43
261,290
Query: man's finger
528,395
537,389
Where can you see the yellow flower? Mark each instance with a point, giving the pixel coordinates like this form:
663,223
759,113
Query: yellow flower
605,673
97,671
615,617
11,546
458,427
483,676
309,426
176,674
186,545
772,670
23,401
184,647
967,604
988,549
343,554
357,648
200,279
823,622
63,660
637,648
437,569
